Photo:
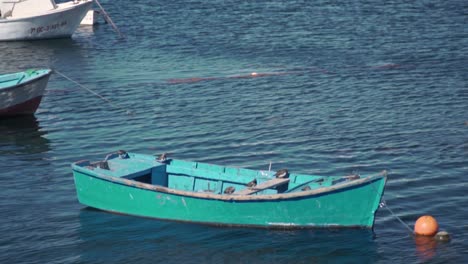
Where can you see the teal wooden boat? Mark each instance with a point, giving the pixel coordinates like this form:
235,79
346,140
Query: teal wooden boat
172,189
21,92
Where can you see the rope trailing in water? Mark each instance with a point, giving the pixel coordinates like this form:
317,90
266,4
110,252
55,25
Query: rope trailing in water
384,204
115,105
109,20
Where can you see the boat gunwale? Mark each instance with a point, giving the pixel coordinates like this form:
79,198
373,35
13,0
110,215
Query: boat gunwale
47,73
234,197
49,12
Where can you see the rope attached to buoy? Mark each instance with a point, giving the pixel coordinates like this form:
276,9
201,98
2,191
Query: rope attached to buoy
115,105
425,226
383,203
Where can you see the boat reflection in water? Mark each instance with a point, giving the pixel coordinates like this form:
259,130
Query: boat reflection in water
42,53
144,240
22,135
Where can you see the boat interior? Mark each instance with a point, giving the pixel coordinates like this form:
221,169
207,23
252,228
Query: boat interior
13,9
8,80
203,177
25,8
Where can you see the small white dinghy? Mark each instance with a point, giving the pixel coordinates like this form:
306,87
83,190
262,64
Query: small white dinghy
40,19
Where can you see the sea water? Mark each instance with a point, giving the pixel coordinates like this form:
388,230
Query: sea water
319,87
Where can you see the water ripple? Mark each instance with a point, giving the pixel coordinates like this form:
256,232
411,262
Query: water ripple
342,87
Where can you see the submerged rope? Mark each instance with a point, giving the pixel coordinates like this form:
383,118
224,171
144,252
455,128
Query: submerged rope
115,105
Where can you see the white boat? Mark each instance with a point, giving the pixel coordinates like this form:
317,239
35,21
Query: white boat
21,93
91,18
40,19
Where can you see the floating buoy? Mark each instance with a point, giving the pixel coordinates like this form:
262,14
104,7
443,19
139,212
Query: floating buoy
442,236
426,226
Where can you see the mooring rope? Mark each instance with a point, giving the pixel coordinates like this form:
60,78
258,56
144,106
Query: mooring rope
108,19
115,105
383,203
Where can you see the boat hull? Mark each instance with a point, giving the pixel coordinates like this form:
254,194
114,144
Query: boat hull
351,206
60,23
23,98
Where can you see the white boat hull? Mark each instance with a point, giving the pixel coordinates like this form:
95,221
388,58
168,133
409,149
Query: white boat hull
23,98
61,22
91,18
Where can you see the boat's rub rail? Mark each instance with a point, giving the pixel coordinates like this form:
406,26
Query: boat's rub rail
237,197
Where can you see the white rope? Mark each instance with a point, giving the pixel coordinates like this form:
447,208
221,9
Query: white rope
383,203
115,105
108,19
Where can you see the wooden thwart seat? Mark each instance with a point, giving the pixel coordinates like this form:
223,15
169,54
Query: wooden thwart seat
262,186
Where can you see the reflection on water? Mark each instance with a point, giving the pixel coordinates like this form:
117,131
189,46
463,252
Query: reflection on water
38,53
392,95
22,135
425,246
84,31
146,239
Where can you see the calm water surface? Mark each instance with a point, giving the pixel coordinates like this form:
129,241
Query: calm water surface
342,86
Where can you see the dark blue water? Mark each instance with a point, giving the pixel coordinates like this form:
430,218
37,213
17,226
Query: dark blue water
350,86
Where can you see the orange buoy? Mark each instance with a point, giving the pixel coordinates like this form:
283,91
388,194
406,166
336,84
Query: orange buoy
426,226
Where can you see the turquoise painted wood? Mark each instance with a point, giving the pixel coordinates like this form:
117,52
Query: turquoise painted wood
139,185
21,93
13,79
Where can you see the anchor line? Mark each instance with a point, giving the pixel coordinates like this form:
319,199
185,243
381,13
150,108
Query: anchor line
383,203
115,105
108,19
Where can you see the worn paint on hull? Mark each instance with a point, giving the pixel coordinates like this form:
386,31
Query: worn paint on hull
25,96
354,205
25,108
